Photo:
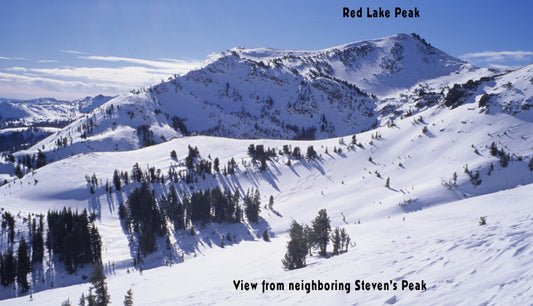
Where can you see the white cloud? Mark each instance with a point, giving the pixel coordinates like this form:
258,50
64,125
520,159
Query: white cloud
164,65
72,52
499,56
5,58
83,81
17,78
31,86
46,61
17,69
128,76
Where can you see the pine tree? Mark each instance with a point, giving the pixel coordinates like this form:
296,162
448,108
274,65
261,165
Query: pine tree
311,153
252,206
493,149
238,209
82,300
336,241
37,242
66,303
18,171
265,236
347,243
99,285
309,238
41,159
387,183
23,265
296,153
8,271
321,229
128,298
91,298
271,202
504,158
96,245
116,180
343,239
296,248
216,164
136,173
263,165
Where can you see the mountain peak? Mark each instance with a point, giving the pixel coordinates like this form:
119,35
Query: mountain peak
270,93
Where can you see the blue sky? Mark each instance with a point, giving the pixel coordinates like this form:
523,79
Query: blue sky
70,49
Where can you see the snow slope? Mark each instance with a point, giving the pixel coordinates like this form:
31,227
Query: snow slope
461,262
417,229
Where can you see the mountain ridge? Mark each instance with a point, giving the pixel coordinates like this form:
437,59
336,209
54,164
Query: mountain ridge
240,94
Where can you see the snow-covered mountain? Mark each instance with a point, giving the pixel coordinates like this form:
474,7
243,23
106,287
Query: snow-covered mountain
413,148
266,93
25,122
46,111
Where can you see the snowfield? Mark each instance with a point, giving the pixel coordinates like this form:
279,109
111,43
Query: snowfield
429,137
416,230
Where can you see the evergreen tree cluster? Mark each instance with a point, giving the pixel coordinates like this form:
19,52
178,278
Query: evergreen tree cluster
8,267
92,182
191,157
146,136
63,141
146,215
19,140
340,241
8,221
23,265
252,205
179,125
295,152
28,162
98,294
473,175
16,268
311,153
258,153
71,236
505,157
303,238
302,133
37,240
87,128
35,161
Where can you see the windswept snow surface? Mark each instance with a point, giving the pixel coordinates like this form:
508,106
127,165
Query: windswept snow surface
416,230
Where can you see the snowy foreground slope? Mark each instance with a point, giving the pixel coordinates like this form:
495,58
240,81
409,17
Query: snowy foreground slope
415,230
461,262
